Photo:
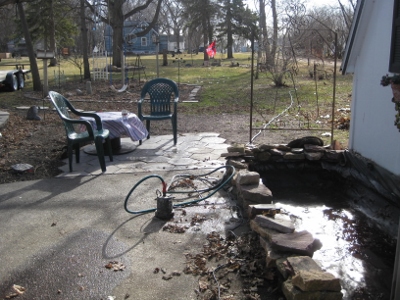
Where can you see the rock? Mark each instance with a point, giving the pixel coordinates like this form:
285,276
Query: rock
297,242
23,168
293,293
237,164
308,281
283,147
255,194
293,156
266,147
299,143
314,148
32,113
312,156
334,155
79,92
272,256
262,156
231,154
276,152
279,223
262,231
89,87
298,263
258,209
247,178
297,150
236,148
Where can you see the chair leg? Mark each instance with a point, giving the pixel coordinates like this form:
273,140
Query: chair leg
77,153
108,141
148,128
174,129
70,156
100,152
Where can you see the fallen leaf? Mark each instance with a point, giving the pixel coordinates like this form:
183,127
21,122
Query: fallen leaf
19,289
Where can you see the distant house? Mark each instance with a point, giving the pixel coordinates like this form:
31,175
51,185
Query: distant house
368,56
17,47
133,43
142,45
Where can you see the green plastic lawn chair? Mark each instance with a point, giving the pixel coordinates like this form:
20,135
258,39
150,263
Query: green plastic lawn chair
164,96
75,134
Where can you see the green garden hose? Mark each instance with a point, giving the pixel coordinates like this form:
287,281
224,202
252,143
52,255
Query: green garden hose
166,189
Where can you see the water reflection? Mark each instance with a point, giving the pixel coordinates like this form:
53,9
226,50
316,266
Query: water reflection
349,250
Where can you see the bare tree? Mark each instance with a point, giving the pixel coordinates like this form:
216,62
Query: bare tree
114,15
29,46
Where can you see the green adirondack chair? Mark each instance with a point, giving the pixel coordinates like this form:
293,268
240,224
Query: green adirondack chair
164,96
75,136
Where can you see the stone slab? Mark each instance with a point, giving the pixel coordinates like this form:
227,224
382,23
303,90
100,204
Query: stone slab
309,281
272,256
259,209
247,178
278,223
301,242
255,194
293,293
262,231
298,263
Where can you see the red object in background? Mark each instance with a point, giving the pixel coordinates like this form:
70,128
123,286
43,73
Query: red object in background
211,50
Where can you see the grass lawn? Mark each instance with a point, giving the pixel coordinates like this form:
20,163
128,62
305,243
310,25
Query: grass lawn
226,88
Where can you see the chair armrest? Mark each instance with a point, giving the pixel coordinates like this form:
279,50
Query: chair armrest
140,107
86,123
97,119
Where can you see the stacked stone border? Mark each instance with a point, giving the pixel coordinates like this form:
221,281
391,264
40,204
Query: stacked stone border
287,250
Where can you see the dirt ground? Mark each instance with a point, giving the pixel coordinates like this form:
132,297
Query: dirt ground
42,143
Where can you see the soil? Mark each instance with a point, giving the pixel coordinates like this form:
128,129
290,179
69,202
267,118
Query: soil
42,143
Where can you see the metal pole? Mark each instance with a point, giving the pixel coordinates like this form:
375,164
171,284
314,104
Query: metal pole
158,50
251,86
334,87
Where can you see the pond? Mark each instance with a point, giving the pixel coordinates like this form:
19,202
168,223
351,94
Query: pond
354,225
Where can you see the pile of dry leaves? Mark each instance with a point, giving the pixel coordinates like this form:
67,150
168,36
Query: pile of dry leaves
222,261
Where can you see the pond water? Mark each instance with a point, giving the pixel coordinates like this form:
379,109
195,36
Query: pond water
356,247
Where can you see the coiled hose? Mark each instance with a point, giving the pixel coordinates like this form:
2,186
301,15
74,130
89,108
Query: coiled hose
166,189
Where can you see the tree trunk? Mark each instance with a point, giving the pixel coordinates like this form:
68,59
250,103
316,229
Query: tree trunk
52,38
275,32
117,19
37,86
86,67
229,30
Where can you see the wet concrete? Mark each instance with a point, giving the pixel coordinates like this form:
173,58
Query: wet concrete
357,235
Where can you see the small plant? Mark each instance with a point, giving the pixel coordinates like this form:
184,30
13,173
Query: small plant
386,80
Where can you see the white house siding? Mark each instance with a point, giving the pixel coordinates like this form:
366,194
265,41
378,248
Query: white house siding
373,133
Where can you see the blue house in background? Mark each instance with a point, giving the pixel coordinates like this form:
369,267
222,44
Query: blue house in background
134,44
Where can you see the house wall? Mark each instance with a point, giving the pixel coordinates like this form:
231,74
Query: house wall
373,133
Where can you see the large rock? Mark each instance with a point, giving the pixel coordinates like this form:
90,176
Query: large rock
309,281
262,231
272,256
255,194
236,148
278,223
247,178
293,293
262,156
297,242
262,209
293,156
299,263
312,156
